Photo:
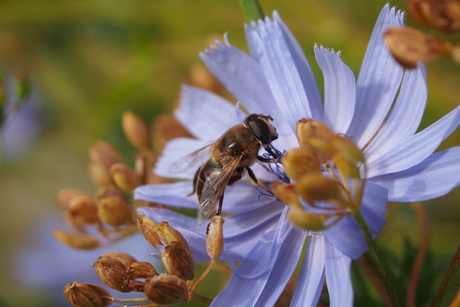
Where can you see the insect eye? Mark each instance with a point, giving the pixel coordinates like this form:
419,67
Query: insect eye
263,130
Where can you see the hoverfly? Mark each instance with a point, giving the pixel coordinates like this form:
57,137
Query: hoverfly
230,157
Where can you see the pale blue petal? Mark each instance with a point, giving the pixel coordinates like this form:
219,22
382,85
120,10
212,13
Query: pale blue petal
347,237
311,277
434,177
373,207
171,194
263,274
405,116
243,77
205,114
305,72
175,160
417,148
338,279
378,81
339,90
268,46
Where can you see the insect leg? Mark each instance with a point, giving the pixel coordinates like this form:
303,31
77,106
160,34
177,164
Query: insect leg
256,181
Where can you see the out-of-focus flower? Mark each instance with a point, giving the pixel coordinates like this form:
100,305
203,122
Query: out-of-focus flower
380,113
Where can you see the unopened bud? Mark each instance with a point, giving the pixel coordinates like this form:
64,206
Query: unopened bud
167,290
166,127
82,211
64,196
169,235
215,237
142,270
178,261
144,163
124,177
148,228
305,220
300,161
286,193
85,295
103,153
348,158
409,46
136,130
76,240
202,78
314,188
113,273
124,258
100,175
308,128
114,210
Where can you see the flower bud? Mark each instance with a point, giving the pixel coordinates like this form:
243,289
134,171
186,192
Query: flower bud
202,78
306,220
409,46
178,261
124,177
308,128
300,161
142,270
100,176
148,228
76,240
169,235
166,127
82,211
85,295
113,273
136,130
314,188
167,290
287,194
215,237
64,196
103,153
114,210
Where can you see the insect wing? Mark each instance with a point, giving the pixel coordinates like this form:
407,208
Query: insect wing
193,159
213,189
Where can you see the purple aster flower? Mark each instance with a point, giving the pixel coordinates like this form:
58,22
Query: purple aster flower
380,112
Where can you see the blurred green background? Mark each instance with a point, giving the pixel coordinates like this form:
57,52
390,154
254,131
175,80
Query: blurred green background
91,60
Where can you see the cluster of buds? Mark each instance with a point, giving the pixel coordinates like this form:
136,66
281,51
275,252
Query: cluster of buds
410,46
326,170
109,214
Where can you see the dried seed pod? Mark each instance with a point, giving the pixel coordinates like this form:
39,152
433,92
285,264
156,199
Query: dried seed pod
136,130
443,15
85,295
306,220
114,210
137,285
300,161
142,270
76,240
113,273
82,211
166,290
169,235
124,258
215,237
124,177
148,228
100,175
178,261
316,187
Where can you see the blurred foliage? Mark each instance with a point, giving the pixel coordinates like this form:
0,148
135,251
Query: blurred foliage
92,60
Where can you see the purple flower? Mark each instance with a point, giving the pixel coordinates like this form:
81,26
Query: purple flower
381,112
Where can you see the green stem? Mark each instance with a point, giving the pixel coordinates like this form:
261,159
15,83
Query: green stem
450,274
252,10
382,270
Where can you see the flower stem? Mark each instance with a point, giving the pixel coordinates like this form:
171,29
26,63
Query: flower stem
448,277
252,10
382,270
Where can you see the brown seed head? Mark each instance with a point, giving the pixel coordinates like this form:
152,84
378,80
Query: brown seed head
300,161
148,228
113,273
124,258
85,295
178,261
169,235
82,211
100,175
64,196
167,290
76,240
136,130
443,15
114,210
103,153
409,46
